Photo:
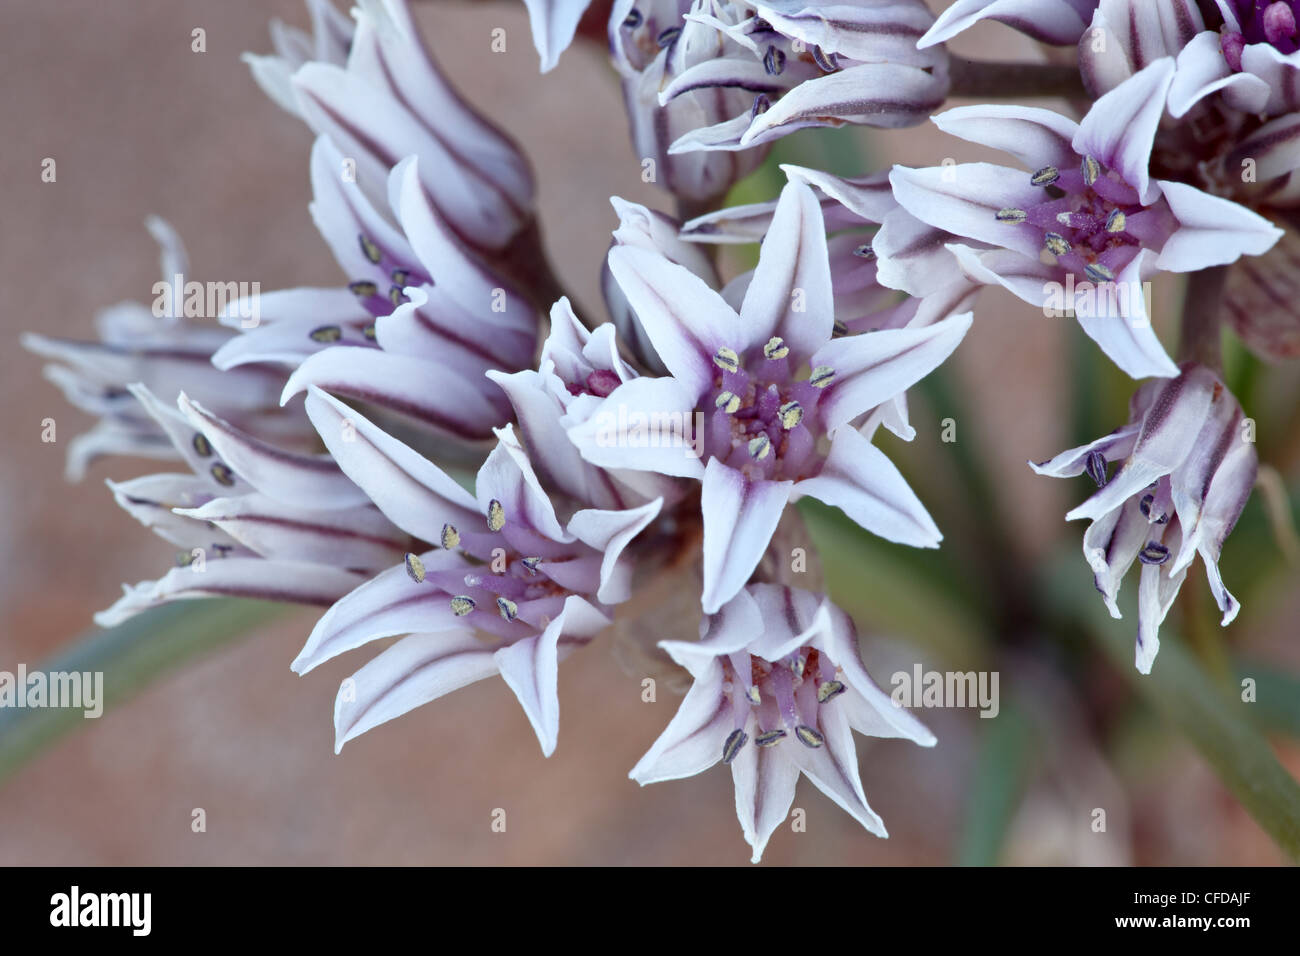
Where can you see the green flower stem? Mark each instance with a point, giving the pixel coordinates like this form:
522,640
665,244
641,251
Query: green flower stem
988,79
131,657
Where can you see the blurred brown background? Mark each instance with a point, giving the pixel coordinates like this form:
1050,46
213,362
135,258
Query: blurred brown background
140,124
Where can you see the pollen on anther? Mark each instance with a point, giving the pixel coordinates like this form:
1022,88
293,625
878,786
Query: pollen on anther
1045,176
775,348
202,447
1098,272
401,277
774,61
363,289
731,746
532,564
415,567
450,536
728,402
222,474
1154,553
809,736
865,251
1090,169
760,446
369,332
507,608
791,415
821,376
462,604
753,694
769,738
1056,244
1011,215
368,248
496,516
326,334
396,295
726,359
1116,221
831,688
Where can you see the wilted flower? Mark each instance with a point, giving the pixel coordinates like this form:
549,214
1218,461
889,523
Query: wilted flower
765,383
1089,225
1187,465
812,63
779,689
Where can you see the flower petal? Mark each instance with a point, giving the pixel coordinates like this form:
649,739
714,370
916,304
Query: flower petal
740,516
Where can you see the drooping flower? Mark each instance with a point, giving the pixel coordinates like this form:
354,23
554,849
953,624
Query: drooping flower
329,42
812,63
419,306
499,584
1049,21
651,44
765,383
251,519
167,349
1187,464
1089,206
390,102
778,690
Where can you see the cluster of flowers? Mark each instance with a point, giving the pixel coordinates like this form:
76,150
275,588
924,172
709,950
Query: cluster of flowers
773,383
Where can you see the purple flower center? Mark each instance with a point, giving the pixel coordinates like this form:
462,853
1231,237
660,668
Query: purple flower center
1092,221
785,696
1262,21
759,415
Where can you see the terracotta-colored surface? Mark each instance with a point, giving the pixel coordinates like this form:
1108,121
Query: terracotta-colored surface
139,124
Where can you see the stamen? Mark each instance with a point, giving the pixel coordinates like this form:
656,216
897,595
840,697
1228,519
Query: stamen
401,277
415,567
633,19
222,474
760,446
769,738
1144,505
450,536
531,564
1011,215
369,332
1056,244
809,737
865,251
726,359
831,688
1116,221
1098,272
826,62
728,402
1154,553
1090,169
369,249
775,348
1096,468
326,333
774,61
791,415
754,696
761,105
666,37
731,746
1045,176
202,447
363,289
838,328
496,516
821,376
462,604
396,295
508,608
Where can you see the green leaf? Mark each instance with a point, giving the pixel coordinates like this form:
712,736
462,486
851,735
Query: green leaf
1006,751
130,657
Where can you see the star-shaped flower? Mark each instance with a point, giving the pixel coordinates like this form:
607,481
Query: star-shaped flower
760,387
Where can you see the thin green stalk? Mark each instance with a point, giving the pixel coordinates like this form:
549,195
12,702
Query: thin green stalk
990,79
